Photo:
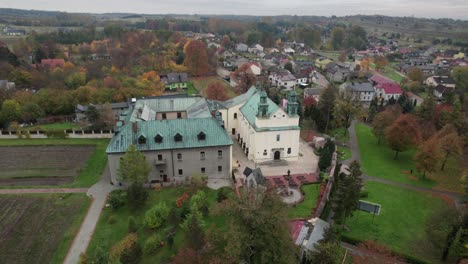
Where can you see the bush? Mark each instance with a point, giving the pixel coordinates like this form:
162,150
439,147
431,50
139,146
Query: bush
364,194
152,244
126,251
157,215
221,195
111,220
136,195
117,199
174,217
56,134
132,225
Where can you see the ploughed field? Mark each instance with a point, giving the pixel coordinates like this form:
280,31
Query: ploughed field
39,228
42,165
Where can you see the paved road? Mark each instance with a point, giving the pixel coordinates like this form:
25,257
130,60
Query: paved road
99,193
51,190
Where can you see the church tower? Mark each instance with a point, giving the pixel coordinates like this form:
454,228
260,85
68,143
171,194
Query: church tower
292,103
262,105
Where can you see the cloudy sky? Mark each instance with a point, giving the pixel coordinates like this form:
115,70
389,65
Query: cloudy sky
420,8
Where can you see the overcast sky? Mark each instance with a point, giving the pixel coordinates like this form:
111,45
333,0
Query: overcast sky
420,8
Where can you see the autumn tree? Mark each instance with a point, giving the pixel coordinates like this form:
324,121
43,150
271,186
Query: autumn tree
403,134
365,64
196,58
126,251
346,110
428,156
253,235
216,91
450,142
380,62
415,74
244,78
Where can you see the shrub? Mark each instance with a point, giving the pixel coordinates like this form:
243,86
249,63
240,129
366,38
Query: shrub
364,194
152,244
56,133
198,200
157,215
117,199
221,195
126,251
111,220
181,199
132,225
136,195
174,217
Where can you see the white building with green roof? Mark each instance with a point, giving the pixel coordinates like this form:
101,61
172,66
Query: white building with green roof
179,136
264,130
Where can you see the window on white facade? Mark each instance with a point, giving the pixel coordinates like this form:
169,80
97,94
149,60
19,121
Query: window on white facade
202,170
289,150
220,168
265,152
220,153
278,137
181,172
179,156
202,155
235,115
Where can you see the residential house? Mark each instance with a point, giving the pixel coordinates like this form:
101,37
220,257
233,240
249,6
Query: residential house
361,92
6,85
322,62
377,79
386,91
441,90
264,130
241,47
11,31
337,71
313,92
256,68
283,78
175,80
302,78
179,137
257,48
117,108
417,100
310,234
446,81
289,50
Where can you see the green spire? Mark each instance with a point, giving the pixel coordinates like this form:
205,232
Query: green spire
263,105
292,103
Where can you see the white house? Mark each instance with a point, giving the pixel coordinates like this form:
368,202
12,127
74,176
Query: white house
362,92
242,47
440,80
288,50
283,78
388,90
264,131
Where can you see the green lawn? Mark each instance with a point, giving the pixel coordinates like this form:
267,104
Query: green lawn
201,83
55,126
390,73
304,209
107,233
94,167
339,133
400,225
344,153
191,90
378,160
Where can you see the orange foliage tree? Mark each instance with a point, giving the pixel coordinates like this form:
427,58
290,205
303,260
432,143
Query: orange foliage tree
403,134
196,58
244,78
216,91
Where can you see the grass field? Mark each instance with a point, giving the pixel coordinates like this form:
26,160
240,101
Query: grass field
201,83
191,90
39,228
344,153
377,160
304,209
113,224
88,174
400,225
339,133
55,126
390,73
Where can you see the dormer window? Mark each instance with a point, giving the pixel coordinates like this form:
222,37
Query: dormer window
141,140
178,137
158,138
201,136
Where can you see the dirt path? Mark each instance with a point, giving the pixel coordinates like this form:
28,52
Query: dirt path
51,190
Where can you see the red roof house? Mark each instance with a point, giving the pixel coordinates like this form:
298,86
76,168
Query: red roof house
388,90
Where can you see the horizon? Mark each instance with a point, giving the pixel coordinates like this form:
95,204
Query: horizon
458,9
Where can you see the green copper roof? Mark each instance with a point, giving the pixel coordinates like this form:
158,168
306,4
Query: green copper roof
188,128
240,99
250,108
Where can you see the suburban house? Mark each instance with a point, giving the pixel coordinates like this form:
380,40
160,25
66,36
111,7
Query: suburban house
441,90
321,63
265,131
312,92
361,92
11,31
337,71
302,78
175,80
255,67
242,47
289,50
377,79
283,78
257,48
179,136
417,100
117,108
6,85
434,81
385,91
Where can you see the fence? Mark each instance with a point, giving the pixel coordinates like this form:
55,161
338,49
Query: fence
326,194
11,134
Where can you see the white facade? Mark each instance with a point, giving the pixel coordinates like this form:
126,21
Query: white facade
380,92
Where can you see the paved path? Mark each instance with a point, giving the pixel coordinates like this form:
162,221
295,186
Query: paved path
51,190
99,193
